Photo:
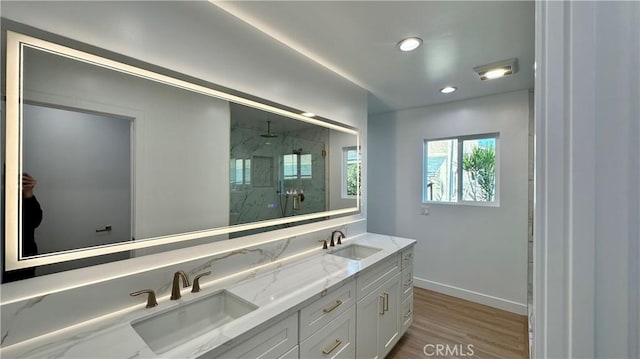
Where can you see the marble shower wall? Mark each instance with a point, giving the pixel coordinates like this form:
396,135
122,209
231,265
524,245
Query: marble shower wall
264,196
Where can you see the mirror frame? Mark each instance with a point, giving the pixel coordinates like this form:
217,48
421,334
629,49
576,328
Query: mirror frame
13,155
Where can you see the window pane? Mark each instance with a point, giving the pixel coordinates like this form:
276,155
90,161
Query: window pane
238,172
350,170
247,171
232,171
305,166
440,171
290,165
479,170
352,156
352,179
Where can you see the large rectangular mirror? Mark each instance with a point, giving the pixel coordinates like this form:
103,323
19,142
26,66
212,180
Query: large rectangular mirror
124,158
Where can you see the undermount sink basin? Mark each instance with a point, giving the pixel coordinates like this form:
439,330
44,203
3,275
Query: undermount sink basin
169,329
355,251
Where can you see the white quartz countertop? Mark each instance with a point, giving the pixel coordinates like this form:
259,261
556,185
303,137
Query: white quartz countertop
277,293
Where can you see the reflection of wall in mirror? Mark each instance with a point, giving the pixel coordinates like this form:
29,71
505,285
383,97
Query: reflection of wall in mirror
181,140
82,163
339,141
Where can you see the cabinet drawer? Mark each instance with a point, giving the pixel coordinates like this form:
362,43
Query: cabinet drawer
374,277
406,314
407,258
292,354
317,314
335,340
407,282
272,342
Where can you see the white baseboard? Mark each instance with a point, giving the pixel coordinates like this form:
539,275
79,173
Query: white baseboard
504,304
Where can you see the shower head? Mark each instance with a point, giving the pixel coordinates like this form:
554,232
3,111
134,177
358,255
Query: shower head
269,134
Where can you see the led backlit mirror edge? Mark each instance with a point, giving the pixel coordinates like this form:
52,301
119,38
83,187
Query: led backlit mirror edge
13,139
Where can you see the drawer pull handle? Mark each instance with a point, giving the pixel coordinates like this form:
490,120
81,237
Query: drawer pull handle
386,302
382,310
408,314
328,351
336,305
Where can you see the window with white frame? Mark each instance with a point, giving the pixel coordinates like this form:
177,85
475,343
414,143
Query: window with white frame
461,169
350,172
240,171
297,166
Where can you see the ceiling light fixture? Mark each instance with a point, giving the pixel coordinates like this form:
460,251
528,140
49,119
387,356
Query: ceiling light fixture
308,114
448,89
409,44
497,70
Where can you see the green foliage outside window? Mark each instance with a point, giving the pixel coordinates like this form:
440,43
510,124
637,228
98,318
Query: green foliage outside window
480,168
352,179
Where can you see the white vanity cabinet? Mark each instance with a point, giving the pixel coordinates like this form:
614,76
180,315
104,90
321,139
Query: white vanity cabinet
378,328
378,288
384,310
278,341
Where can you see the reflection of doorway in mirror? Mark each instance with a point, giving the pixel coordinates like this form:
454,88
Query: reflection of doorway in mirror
83,166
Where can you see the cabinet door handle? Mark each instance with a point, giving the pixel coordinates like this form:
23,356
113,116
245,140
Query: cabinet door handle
408,314
385,302
382,310
328,351
330,309
105,229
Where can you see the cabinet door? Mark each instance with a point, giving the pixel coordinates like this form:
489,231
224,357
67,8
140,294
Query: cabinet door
368,310
388,325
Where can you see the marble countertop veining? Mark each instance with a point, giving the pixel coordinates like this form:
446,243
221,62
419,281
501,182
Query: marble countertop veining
277,293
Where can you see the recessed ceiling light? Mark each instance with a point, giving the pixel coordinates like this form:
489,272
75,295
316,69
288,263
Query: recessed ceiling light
497,70
308,114
494,74
409,44
448,89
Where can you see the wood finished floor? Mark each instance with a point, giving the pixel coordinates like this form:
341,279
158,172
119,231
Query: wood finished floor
442,319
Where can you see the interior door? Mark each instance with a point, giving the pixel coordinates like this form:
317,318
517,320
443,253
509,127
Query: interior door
82,163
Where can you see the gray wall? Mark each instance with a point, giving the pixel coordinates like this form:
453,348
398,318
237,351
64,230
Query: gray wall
474,252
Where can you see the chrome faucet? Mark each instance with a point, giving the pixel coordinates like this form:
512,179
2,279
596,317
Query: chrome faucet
175,287
340,236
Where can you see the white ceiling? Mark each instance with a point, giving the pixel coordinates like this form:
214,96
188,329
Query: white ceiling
358,41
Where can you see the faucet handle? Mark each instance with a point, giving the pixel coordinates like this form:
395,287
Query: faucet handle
324,243
195,288
151,297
